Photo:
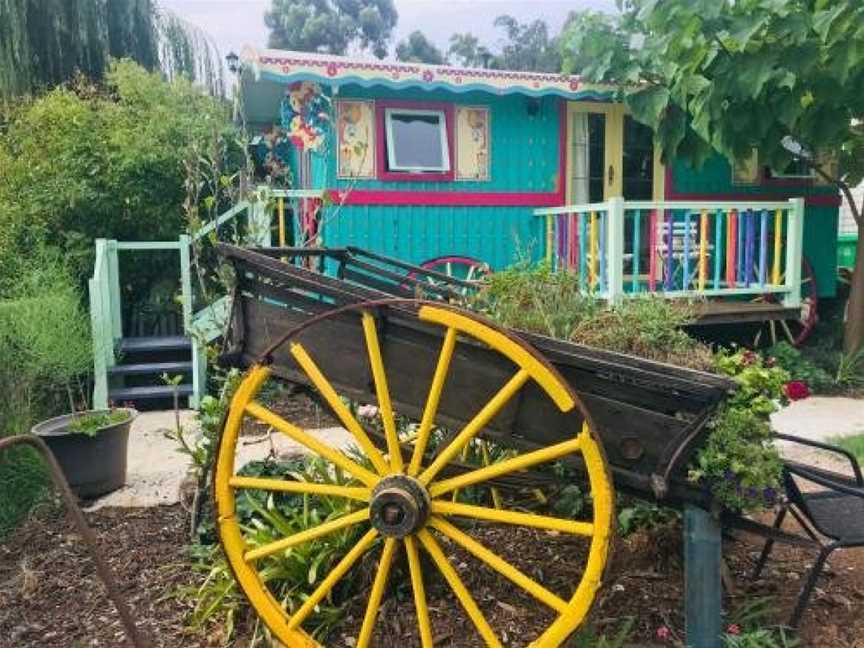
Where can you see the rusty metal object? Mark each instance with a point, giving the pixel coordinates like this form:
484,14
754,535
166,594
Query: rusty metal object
135,636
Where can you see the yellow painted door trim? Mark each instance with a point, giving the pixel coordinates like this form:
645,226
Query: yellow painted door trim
613,185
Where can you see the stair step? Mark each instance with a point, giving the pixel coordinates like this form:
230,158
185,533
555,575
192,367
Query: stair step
122,394
158,343
140,368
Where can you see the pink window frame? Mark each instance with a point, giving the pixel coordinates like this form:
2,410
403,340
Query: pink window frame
381,141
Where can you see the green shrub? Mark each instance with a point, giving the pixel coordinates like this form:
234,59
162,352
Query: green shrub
90,424
290,575
801,368
534,298
738,460
82,162
44,351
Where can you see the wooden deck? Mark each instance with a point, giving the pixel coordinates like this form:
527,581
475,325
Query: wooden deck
738,312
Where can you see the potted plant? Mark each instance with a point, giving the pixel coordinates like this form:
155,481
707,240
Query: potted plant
90,448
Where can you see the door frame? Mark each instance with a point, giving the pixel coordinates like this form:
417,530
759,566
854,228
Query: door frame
613,146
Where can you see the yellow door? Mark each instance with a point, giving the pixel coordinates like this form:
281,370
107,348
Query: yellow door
610,155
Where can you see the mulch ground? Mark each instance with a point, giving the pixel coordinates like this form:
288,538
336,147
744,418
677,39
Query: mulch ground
50,596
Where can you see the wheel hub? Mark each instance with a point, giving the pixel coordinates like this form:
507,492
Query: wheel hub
399,506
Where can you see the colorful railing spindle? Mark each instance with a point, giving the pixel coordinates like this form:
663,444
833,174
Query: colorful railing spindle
594,248
763,248
731,249
652,251
750,250
718,247
669,231
637,248
550,240
778,246
703,249
685,274
572,242
583,254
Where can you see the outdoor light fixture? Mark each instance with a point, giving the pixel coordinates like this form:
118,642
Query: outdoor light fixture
233,62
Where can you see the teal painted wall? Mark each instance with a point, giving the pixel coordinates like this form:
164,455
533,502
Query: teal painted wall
524,157
820,222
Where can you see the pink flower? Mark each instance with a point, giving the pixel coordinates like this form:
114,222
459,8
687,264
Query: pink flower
367,411
664,633
796,390
748,358
733,629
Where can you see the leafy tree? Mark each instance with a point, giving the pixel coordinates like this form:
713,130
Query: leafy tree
418,49
80,163
781,76
331,26
466,50
46,42
528,46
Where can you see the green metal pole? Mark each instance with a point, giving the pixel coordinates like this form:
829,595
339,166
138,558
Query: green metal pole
703,591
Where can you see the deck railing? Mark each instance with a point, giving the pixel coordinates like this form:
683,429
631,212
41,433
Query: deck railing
207,322
680,249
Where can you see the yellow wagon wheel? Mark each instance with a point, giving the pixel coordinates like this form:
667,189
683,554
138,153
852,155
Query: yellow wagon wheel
402,502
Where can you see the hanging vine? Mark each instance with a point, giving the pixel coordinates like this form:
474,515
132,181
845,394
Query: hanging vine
46,42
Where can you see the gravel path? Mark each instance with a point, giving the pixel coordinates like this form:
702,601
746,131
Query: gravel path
819,418
156,470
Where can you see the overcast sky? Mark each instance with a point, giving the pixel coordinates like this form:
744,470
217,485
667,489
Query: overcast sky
235,23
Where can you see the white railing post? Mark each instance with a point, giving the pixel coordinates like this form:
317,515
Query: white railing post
794,252
199,353
115,300
615,250
100,370
259,219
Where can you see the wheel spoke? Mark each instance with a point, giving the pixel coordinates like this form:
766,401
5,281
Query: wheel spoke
377,593
435,391
304,438
773,328
490,409
339,408
459,588
308,488
500,565
332,578
507,466
419,593
305,536
382,391
443,507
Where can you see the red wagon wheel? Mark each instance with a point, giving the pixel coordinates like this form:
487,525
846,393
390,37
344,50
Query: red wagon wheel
798,328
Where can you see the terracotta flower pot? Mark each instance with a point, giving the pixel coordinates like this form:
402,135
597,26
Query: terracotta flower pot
93,465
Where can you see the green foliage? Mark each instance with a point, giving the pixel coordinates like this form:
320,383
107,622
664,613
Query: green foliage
749,626
850,369
589,637
731,76
81,163
525,46
331,26
534,298
292,574
738,460
44,350
44,43
418,49
854,444
639,516
93,423
800,367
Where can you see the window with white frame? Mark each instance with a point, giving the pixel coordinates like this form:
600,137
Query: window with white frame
417,141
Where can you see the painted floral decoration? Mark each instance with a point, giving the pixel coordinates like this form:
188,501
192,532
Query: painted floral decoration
305,114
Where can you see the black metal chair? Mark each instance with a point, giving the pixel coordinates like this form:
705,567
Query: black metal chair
835,512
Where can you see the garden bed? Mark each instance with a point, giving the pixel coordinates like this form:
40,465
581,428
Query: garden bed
49,594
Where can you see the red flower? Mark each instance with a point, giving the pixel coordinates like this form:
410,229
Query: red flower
748,358
663,633
733,629
796,390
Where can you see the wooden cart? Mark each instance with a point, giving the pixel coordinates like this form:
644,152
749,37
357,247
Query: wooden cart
357,331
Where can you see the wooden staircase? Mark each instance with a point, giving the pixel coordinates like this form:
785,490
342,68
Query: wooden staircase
137,378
